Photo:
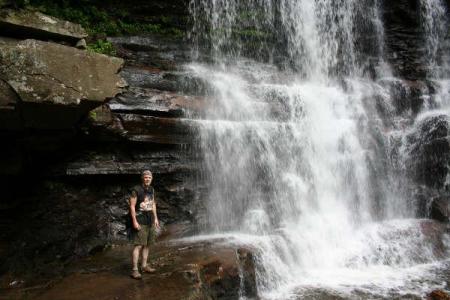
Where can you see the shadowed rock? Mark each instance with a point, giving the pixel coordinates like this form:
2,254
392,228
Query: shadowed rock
405,47
172,131
429,151
117,163
152,51
439,209
9,112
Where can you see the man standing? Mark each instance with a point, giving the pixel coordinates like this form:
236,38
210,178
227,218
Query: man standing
144,221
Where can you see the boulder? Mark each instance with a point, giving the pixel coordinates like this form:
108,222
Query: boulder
33,24
57,85
81,44
434,233
438,295
229,273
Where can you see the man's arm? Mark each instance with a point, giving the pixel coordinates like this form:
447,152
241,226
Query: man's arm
133,200
155,215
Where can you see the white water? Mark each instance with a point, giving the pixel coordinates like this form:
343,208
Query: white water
435,27
297,160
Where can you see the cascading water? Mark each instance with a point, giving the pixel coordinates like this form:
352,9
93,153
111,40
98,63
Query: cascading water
433,13
296,156
435,26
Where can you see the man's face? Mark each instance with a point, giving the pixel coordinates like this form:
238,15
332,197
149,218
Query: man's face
147,179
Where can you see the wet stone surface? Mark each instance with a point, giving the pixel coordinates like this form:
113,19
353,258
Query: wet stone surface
184,270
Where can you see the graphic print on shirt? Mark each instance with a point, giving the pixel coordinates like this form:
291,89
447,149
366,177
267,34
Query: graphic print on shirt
147,204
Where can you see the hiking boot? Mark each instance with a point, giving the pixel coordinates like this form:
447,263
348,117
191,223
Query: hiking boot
147,269
135,274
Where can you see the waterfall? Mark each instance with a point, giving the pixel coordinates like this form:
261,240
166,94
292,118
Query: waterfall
296,153
434,27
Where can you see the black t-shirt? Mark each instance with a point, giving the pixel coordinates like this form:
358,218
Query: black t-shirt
143,208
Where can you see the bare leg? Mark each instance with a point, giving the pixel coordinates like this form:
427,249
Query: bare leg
135,256
145,251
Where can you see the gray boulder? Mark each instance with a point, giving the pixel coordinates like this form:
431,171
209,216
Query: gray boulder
56,85
33,24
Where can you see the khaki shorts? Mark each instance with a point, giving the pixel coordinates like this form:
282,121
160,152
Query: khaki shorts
144,237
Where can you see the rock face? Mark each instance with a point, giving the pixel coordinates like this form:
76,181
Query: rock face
427,163
427,145
46,91
403,40
74,219
47,82
143,128
429,151
32,24
440,209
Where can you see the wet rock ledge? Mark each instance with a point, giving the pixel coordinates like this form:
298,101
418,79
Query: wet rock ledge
196,270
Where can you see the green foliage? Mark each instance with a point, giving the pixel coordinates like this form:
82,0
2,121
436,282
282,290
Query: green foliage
94,20
99,22
103,47
134,28
14,3
93,115
166,19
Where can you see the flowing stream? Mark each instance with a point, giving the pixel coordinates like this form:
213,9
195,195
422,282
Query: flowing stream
298,156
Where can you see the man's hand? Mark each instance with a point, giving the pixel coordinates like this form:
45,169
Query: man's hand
157,224
137,226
